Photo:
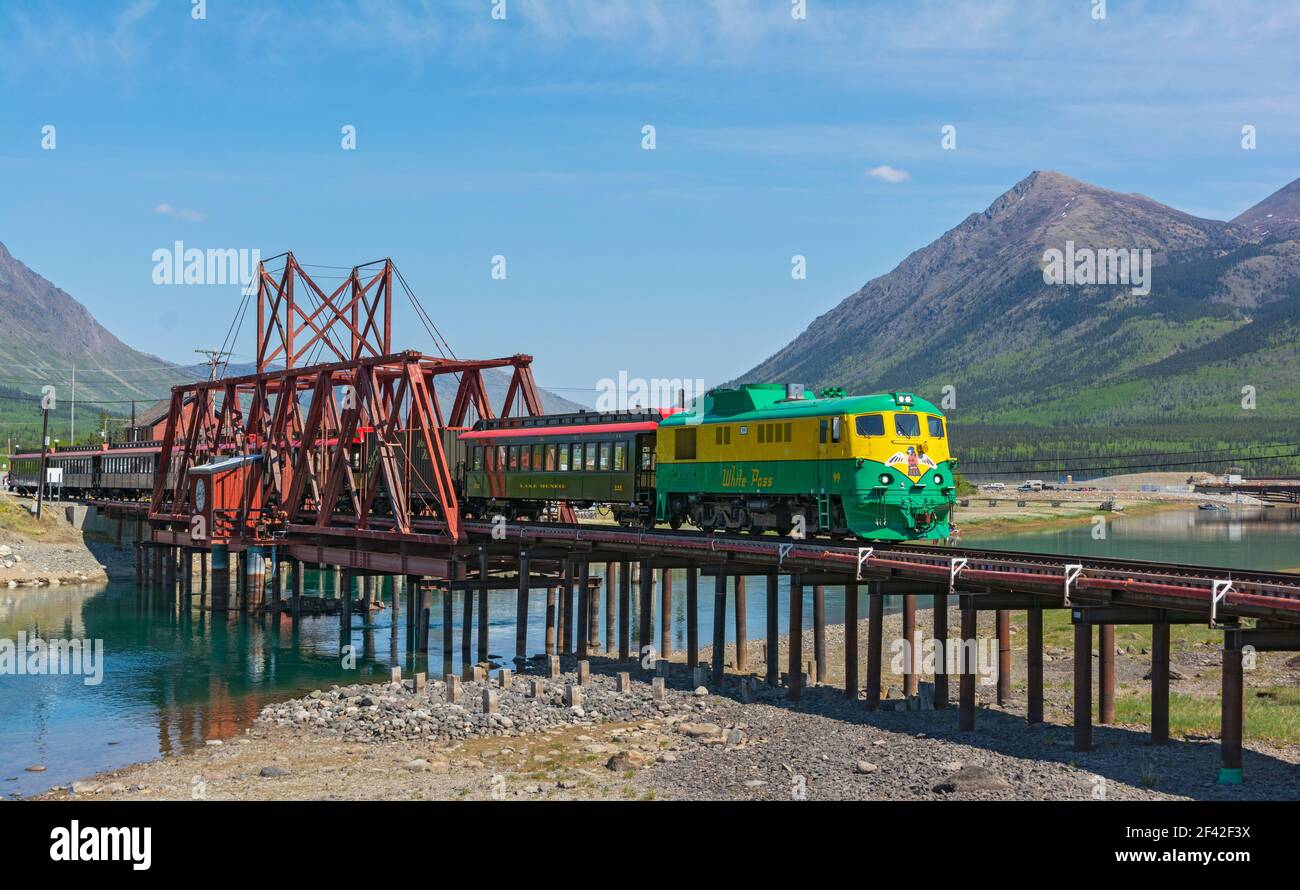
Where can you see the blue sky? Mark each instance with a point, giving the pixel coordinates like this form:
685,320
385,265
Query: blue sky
522,137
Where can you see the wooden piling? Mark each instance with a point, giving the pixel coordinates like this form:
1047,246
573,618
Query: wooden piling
1106,674
645,626
966,681
666,613
583,627
772,639
1034,667
795,639
1082,686
449,616
692,617
1160,683
875,643
624,611
941,666
1232,716
552,612
610,643
719,626
851,641
1003,624
910,678
742,636
484,623
466,626
565,617
521,610
819,631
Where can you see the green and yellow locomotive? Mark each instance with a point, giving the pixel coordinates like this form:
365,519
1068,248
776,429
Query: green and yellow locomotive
770,458
757,458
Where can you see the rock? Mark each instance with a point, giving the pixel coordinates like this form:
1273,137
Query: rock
700,690
85,788
566,784
627,760
1174,674
419,765
36,768
972,778
865,767
273,772
699,730
214,743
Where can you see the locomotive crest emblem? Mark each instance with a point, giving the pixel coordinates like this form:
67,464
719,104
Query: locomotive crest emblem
910,462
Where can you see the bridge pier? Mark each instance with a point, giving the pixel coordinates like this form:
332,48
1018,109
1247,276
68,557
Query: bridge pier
1160,683
795,636
718,667
875,643
483,622
611,643
645,618
966,682
583,625
939,608
771,639
1082,686
521,611
1002,622
454,572
692,618
1106,674
851,641
466,625
1232,714
910,679
566,610
552,606
625,611
742,638
819,632
219,598
1034,668
666,613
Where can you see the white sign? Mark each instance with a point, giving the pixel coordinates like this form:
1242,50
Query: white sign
54,475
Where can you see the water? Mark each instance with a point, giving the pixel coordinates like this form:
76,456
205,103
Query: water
173,679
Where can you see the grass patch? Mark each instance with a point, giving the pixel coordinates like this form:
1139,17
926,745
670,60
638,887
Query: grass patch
1058,632
1273,717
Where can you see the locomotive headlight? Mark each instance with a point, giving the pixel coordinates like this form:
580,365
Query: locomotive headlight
885,478
938,479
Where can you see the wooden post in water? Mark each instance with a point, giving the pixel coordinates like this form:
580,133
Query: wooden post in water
449,616
1160,683
566,610
552,618
772,638
966,682
1106,674
742,639
466,625
1034,668
851,641
795,639
819,631
875,643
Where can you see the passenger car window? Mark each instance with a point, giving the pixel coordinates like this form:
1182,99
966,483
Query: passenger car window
871,424
550,458
589,455
907,424
564,459
620,457
577,457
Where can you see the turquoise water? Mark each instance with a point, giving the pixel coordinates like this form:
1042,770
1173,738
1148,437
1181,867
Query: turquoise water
175,677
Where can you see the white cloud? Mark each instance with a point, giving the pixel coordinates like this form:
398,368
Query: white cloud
889,174
166,209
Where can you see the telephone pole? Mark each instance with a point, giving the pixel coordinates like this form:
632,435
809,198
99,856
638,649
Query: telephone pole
214,359
45,447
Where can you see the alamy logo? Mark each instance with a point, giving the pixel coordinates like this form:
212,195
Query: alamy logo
36,657
1109,265
90,844
190,265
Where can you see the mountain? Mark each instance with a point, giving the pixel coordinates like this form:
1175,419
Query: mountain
1105,362
45,334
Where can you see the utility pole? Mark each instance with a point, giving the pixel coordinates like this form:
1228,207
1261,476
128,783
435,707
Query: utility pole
214,359
72,436
45,446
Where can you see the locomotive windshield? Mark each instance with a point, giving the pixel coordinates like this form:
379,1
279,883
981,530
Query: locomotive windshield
908,425
871,424
936,427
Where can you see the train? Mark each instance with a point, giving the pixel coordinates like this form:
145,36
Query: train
755,458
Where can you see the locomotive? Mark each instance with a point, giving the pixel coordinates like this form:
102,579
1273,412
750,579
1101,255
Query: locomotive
756,458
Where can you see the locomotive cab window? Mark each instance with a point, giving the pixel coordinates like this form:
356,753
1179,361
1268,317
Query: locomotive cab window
907,425
936,427
870,424
684,444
